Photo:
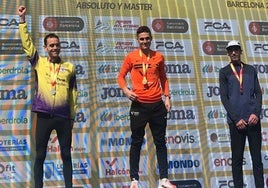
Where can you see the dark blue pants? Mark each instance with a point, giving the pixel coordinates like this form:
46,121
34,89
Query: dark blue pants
238,139
156,115
45,125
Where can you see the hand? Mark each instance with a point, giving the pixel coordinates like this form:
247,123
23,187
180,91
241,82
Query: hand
130,94
167,104
253,119
22,13
241,124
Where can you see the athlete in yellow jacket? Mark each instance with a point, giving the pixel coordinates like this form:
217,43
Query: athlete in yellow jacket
55,100
61,100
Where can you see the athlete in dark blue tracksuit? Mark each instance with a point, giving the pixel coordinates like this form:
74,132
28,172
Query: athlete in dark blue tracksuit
241,96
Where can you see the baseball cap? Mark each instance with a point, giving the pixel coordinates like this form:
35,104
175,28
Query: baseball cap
233,43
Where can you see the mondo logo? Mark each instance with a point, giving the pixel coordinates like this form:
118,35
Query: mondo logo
184,164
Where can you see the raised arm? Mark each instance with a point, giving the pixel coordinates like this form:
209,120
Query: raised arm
26,40
21,13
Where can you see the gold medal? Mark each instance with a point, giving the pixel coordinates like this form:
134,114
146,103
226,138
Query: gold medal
144,81
145,66
54,70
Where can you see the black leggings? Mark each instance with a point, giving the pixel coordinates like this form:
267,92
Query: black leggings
156,115
45,125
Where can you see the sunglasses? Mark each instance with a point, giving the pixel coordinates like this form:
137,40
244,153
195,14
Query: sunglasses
233,49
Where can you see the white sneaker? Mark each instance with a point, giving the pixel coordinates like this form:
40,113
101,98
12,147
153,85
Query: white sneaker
165,183
134,184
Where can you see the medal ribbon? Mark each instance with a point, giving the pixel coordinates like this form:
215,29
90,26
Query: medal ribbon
54,71
144,68
239,77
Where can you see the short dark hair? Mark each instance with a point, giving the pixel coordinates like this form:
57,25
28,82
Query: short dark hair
50,35
143,29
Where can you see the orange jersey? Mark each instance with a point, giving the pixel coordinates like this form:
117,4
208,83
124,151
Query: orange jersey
153,69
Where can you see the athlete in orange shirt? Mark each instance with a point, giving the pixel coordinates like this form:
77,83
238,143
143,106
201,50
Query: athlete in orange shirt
149,83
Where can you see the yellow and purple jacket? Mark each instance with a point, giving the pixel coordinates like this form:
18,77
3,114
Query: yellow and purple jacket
63,102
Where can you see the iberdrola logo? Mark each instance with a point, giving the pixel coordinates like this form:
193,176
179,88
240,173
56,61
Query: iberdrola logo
213,114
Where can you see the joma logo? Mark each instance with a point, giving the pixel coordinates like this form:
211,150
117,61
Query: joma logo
13,94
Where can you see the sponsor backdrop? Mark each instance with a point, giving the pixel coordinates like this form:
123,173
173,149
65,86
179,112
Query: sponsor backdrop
95,36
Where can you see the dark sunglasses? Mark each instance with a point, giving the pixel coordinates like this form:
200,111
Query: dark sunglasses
231,49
